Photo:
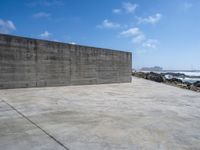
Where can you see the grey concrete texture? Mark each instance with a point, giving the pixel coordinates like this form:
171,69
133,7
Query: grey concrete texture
26,62
142,115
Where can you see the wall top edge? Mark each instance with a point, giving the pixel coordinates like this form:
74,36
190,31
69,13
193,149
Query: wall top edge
49,41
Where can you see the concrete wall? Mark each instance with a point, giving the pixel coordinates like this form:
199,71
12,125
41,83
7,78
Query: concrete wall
26,62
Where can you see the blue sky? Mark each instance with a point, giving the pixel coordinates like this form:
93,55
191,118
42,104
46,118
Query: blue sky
158,32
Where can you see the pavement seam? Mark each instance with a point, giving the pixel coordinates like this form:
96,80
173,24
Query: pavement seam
25,117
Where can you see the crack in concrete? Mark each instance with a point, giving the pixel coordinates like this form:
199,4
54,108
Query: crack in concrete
25,117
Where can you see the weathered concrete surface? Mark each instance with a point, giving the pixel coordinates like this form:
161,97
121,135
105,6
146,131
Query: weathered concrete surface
26,62
131,116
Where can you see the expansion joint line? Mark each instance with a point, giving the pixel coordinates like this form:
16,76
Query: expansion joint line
49,135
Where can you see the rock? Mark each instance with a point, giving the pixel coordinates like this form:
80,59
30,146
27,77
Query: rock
174,81
170,81
197,84
175,75
183,85
188,84
194,88
140,74
155,77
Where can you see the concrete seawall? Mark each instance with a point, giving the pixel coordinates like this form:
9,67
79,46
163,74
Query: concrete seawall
26,62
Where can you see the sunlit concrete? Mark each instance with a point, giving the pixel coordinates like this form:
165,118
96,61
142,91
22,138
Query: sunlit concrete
129,116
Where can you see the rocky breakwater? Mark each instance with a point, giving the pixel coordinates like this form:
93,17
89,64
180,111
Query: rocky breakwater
172,81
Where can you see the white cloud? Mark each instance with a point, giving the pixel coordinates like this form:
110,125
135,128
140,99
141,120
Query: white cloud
109,25
135,33
129,7
45,34
187,5
150,43
42,15
6,26
131,32
138,37
117,11
151,19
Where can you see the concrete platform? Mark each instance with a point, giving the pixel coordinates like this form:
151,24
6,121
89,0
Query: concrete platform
130,116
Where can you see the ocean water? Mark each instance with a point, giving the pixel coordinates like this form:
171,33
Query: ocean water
191,80
191,73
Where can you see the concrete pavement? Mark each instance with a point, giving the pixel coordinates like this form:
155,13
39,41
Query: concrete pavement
130,116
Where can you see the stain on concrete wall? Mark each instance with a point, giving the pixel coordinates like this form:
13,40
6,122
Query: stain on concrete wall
26,62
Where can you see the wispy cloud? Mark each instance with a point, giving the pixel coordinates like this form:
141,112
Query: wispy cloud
45,34
46,3
108,25
126,7
117,11
41,15
150,19
150,43
130,7
138,37
6,26
135,33
131,32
